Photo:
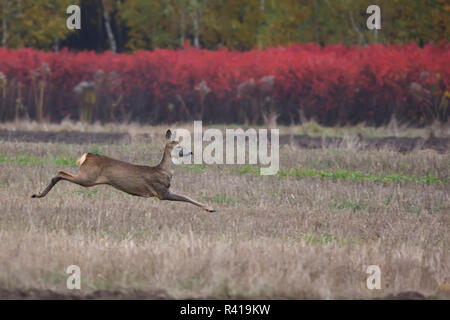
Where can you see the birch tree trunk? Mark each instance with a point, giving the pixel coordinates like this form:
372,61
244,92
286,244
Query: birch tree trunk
355,27
109,33
315,22
196,26
4,25
182,23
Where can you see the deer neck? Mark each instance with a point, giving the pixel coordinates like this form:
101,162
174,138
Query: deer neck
166,161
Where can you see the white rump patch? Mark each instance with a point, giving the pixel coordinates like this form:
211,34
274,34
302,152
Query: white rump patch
82,159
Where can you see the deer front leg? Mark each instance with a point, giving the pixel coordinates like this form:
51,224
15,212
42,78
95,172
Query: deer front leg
175,197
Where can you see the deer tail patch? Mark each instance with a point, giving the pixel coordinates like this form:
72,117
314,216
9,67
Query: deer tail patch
81,160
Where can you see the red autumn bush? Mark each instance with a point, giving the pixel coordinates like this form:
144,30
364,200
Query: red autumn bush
334,85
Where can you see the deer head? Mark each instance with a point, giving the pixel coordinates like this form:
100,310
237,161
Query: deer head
174,148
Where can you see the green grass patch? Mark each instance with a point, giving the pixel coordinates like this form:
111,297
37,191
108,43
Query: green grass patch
88,192
55,277
312,238
193,167
248,170
95,150
298,172
21,158
327,238
345,175
222,199
354,206
25,159
70,161
413,210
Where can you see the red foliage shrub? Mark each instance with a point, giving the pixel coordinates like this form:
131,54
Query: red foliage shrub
335,84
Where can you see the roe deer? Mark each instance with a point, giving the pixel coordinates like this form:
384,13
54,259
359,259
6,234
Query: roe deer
142,181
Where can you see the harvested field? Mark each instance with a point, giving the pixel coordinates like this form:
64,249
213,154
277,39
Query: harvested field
308,232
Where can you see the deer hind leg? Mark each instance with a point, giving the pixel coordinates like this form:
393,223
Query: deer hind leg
175,197
62,175
49,187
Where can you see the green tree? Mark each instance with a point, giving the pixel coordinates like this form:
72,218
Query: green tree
235,24
151,24
34,23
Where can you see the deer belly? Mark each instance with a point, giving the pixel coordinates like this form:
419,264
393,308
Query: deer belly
132,185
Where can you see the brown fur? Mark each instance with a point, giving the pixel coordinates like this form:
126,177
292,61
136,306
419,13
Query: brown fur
142,181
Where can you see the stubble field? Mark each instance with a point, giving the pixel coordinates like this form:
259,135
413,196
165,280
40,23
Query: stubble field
308,232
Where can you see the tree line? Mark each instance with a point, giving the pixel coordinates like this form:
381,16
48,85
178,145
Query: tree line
130,25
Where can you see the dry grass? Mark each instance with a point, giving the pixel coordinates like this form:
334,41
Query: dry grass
272,237
310,128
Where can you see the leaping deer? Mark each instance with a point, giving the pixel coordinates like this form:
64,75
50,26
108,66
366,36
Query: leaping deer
142,181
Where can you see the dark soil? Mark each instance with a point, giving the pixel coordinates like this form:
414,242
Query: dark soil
390,143
69,137
36,294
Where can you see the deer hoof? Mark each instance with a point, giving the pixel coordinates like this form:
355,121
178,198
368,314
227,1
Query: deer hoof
210,210
35,196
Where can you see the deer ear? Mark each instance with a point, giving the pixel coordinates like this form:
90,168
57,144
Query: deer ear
168,134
